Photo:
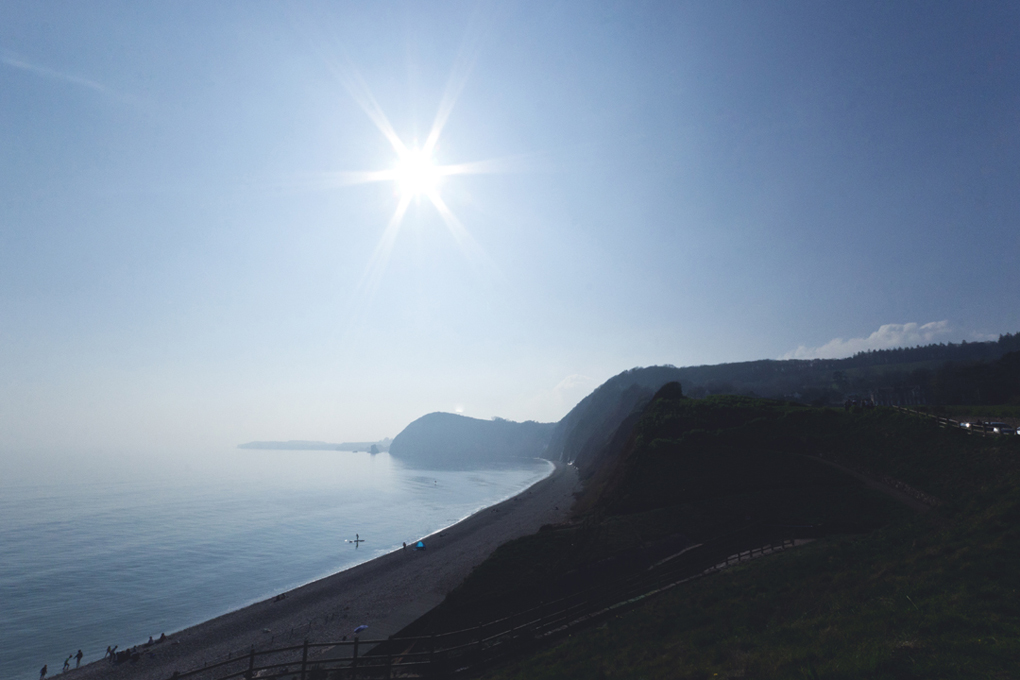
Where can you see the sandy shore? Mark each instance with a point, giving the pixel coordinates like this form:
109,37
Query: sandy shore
387,593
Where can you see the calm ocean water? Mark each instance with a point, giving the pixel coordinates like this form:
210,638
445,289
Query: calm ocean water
103,551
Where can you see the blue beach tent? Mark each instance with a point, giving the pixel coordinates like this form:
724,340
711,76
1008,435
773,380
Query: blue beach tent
420,546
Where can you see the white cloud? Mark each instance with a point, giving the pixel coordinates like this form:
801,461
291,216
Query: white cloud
886,337
46,72
552,404
575,384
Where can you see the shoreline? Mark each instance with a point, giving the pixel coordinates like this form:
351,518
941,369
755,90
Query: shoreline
322,577
387,593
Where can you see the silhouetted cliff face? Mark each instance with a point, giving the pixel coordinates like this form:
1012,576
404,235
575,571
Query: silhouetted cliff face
447,439
589,427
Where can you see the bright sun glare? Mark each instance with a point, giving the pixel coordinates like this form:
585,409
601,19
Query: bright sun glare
416,173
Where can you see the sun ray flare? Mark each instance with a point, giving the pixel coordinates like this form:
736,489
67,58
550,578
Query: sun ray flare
356,86
492,166
462,68
415,171
377,264
473,252
344,179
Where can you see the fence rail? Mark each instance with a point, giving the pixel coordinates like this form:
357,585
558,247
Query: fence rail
470,649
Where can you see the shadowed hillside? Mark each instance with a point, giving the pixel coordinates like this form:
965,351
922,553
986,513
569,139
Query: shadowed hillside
594,421
902,595
676,474
911,577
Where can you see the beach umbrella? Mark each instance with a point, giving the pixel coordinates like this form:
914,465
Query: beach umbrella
360,628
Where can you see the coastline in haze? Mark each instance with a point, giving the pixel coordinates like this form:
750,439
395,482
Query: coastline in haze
97,555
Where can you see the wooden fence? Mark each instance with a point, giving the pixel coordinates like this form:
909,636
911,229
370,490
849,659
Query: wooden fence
456,652
471,649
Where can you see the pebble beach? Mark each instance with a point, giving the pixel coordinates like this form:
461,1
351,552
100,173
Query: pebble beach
386,594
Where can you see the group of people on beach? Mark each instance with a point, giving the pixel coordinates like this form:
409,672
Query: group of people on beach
67,664
111,653
114,656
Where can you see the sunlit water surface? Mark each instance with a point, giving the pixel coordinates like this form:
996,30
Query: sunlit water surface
111,551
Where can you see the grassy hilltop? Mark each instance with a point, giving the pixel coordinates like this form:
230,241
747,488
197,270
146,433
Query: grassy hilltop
887,591
966,373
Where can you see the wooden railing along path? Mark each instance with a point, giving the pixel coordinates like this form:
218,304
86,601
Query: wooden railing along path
470,649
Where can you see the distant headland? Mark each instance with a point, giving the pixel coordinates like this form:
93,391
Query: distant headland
451,439
304,445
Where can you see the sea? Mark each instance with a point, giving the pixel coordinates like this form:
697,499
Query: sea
108,549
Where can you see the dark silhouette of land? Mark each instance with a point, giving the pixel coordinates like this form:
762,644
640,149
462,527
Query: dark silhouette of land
944,373
913,532
447,439
913,529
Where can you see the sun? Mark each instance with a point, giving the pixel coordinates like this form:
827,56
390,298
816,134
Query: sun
416,173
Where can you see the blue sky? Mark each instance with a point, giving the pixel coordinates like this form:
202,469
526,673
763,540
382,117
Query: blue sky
184,259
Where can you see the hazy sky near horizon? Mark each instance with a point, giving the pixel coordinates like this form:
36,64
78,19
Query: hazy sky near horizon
187,257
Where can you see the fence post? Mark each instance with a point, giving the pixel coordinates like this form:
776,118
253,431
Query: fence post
251,664
354,659
304,660
389,657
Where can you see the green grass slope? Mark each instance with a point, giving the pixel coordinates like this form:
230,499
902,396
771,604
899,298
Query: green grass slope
685,476
921,595
910,601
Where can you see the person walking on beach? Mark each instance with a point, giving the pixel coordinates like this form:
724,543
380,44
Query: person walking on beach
42,673
78,656
67,663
